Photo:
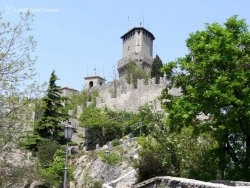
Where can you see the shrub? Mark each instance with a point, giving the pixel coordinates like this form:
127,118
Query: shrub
113,159
53,175
46,151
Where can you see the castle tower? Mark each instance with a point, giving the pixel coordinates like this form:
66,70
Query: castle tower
138,47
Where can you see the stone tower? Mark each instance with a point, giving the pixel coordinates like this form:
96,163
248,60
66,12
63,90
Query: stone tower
92,81
138,47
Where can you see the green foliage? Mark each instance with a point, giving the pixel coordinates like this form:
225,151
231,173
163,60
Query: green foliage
30,141
135,72
53,175
214,78
17,90
103,125
79,99
46,151
17,72
177,154
156,69
115,143
145,120
92,95
49,125
114,158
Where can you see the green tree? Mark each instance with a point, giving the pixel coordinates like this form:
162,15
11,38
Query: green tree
18,88
144,121
214,78
77,100
53,175
135,72
156,69
17,71
46,158
176,154
50,125
103,125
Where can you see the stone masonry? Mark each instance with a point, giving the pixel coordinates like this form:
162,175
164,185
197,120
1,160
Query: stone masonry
130,99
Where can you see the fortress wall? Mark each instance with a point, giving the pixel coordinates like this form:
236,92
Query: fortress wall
128,98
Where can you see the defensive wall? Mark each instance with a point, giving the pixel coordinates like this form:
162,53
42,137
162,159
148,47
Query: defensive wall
123,96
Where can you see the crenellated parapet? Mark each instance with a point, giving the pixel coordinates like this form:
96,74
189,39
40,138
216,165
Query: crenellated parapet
122,96
137,46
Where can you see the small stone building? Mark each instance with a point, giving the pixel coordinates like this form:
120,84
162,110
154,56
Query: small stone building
92,81
67,91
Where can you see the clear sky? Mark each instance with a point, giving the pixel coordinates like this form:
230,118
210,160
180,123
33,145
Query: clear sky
76,36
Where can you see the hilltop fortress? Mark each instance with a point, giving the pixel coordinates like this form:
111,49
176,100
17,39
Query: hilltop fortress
137,46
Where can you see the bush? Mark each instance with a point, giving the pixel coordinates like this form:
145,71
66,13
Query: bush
53,175
116,143
113,159
46,151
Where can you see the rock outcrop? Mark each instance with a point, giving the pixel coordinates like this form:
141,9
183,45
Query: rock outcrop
92,168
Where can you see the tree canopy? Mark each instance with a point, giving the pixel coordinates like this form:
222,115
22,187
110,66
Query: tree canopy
135,72
215,79
103,125
17,71
156,69
50,124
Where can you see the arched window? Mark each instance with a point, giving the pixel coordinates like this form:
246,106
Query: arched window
91,84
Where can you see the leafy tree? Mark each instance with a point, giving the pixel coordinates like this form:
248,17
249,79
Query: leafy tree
46,158
53,175
18,88
16,64
103,125
156,69
144,121
176,154
214,78
17,73
77,100
135,72
50,125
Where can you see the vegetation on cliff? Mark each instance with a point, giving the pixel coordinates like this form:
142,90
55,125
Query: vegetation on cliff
202,134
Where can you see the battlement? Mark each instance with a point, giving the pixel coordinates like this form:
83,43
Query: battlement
137,46
119,95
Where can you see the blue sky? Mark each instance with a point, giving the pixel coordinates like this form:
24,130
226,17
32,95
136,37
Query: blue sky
75,37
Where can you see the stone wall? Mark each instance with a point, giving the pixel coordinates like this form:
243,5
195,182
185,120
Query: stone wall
126,97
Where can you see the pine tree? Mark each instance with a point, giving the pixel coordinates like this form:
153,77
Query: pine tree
49,125
156,66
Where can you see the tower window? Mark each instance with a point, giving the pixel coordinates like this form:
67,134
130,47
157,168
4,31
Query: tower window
91,84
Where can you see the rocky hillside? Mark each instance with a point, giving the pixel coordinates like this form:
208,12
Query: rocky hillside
98,168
